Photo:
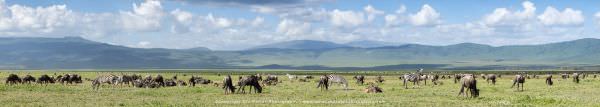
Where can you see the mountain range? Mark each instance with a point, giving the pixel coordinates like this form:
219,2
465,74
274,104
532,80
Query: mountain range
79,53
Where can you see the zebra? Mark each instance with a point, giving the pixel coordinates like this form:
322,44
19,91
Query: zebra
292,77
338,79
110,79
413,77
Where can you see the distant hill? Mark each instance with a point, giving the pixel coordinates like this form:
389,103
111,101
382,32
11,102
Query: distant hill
371,44
301,44
79,53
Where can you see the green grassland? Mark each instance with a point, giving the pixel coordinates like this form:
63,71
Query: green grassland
294,93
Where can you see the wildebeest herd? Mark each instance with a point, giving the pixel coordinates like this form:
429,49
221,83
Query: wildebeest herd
256,83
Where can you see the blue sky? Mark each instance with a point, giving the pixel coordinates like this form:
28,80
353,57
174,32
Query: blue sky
240,24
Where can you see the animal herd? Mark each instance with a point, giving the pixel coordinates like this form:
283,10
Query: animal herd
256,83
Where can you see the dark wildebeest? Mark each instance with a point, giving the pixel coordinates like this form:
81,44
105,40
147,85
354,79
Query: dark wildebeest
228,85
270,80
198,80
457,77
28,79
379,79
181,83
435,79
323,83
252,81
519,81
73,78
549,80
13,79
109,79
125,79
491,77
414,78
576,77
469,82
373,89
170,82
360,79
160,80
45,79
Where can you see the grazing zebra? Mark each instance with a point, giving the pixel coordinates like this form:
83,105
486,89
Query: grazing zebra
338,79
110,79
292,77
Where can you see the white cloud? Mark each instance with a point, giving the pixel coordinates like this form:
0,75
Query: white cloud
427,16
291,27
347,18
145,17
504,17
372,12
568,17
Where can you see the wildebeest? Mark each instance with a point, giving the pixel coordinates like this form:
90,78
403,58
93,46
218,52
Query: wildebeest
360,79
564,75
109,79
435,79
270,80
379,79
469,82
228,85
576,77
125,79
252,81
198,80
170,83
414,78
159,79
549,80
519,81
28,79
457,77
373,89
45,79
181,83
491,77
13,79
323,82
339,80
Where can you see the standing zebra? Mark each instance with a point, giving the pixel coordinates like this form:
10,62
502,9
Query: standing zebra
110,79
414,78
338,79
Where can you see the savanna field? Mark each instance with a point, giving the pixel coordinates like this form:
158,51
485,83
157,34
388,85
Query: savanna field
564,92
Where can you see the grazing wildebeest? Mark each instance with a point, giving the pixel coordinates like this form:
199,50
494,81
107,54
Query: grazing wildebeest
379,79
125,79
491,77
360,79
414,78
338,79
181,83
270,80
435,79
45,79
323,83
109,79
252,81
469,82
373,89
576,77
13,79
228,85
170,83
160,80
28,79
519,81
73,78
483,76
457,77
549,80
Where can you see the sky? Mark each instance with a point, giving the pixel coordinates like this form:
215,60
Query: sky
242,24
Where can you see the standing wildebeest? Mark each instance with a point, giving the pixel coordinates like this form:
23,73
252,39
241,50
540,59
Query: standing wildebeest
549,80
470,83
45,79
110,79
491,77
125,79
379,79
338,79
360,79
13,79
72,78
576,77
435,79
457,77
160,80
414,78
28,79
519,80
228,85
252,81
323,83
